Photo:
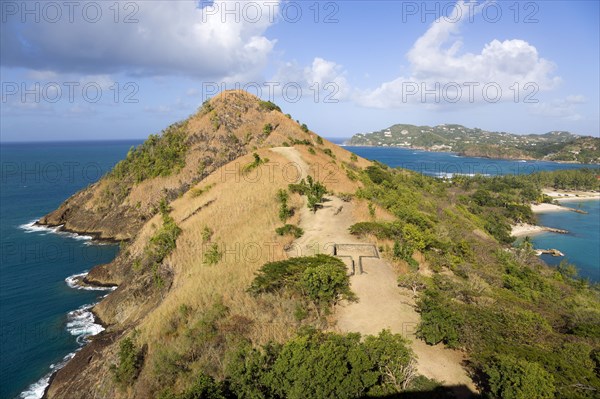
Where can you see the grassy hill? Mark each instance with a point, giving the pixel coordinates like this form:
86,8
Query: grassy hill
553,146
225,288
165,166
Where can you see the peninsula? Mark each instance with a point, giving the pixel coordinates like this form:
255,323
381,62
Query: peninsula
474,142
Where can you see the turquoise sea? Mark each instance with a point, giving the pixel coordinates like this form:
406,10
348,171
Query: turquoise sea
43,320
582,245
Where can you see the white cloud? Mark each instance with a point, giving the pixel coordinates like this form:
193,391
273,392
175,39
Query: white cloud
496,73
322,77
169,37
559,108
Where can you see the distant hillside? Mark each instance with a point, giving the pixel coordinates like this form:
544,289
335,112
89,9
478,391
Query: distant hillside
552,146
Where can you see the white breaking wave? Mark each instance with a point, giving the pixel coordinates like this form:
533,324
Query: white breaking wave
81,323
37,389
450,175
32,227
73,282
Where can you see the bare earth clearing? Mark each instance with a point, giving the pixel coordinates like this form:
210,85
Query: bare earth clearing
382,304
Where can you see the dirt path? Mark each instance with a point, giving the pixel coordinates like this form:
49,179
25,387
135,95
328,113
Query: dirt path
382,304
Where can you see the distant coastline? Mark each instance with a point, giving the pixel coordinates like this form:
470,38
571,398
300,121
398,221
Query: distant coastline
465,155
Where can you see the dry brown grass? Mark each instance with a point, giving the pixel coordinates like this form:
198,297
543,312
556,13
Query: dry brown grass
243,218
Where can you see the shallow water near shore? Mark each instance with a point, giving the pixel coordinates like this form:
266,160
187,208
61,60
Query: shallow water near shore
42,319
581,245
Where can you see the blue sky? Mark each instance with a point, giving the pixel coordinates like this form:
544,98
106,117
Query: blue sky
107,70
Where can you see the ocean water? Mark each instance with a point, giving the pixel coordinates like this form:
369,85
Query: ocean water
447,164
42,319
582,245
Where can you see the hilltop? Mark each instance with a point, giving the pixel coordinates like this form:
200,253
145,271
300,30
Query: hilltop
290,267
165,166
552,146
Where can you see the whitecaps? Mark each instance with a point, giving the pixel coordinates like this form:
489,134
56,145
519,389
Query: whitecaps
32,227
80,323
450,175
74,282
37,389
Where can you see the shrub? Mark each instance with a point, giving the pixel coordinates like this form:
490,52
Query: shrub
320,278
329,365
314,191
246,369
513,378
130,362
204,387
196,192
377,175
212,255
371,208
207,234
304,128
381,230
267,129
160,245
346,197
254,164
326,284
413,281
164,241
439,323
268,106
391,356
284,211
405,252
290,229
324,366
158,156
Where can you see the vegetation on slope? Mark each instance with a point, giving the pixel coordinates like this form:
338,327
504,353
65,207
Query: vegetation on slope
554,146
485,297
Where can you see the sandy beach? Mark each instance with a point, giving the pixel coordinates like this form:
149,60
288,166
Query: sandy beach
539,208
526,229
572,195
564,196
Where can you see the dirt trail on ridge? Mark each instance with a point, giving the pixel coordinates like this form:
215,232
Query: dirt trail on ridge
382,304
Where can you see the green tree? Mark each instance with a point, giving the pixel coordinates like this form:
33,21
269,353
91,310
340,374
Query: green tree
322,365
326,284
439,322
413,281
513,378
393,359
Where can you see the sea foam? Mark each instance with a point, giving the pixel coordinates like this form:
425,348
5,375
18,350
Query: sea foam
32,227
75,280
82,324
